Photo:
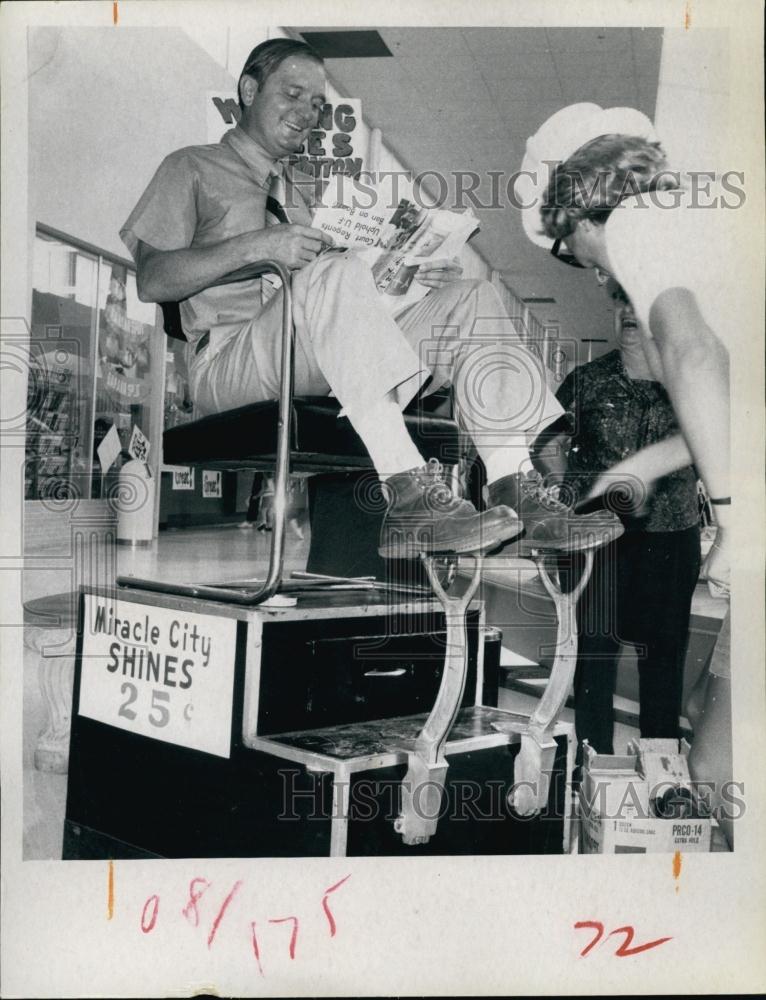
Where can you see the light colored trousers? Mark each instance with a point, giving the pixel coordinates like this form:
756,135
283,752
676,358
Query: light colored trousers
348,345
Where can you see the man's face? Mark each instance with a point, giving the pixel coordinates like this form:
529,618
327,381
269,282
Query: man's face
287,106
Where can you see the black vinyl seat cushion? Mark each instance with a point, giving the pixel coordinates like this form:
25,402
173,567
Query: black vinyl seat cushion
247,436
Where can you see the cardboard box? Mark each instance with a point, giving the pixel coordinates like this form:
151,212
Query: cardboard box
613,785
603,835
617,801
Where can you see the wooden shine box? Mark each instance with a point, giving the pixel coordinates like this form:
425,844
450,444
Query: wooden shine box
201,729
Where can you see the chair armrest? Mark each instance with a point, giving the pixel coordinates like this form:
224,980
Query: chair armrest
171,313
284,426
255,270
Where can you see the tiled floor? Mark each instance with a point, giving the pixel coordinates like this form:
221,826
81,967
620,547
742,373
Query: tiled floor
517,701
210,555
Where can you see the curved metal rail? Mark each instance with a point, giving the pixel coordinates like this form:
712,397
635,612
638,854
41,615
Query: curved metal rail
270,585
427,766
534,762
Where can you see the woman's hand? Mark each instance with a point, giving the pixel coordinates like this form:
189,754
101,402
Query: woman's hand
438,273
637,474
717,566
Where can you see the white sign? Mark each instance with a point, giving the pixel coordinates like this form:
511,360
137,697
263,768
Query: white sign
165,674
139,445
212,484
183,478
334,146
109,449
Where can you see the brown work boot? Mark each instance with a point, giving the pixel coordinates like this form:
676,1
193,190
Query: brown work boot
549,523
424,516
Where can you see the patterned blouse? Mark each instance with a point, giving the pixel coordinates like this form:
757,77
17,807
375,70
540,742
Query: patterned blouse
612,416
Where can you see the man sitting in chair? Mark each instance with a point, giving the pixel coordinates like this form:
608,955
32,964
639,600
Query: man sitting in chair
204,215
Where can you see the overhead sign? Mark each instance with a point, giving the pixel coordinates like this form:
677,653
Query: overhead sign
333,147
165,674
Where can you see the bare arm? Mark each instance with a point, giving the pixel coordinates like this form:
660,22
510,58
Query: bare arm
689,359
644,467
653,359
696,375
173,275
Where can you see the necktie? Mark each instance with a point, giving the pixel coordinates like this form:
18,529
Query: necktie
275,202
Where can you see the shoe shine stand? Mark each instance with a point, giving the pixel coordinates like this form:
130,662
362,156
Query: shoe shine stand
353,722
213,720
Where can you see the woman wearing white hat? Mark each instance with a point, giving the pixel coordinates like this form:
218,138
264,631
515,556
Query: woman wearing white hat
602,188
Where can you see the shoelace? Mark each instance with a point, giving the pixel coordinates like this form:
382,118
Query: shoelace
439,491
533,487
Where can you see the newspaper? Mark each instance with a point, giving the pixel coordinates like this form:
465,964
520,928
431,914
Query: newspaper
394,243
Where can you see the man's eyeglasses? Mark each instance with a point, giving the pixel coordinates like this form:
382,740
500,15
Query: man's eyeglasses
564,256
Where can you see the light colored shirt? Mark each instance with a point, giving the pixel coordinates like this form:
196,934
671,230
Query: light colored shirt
203,195
654,245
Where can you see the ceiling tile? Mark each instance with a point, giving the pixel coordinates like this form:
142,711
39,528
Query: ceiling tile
647,40
501,65
607,91
378,68
466,99
419,43
484,41
646,101
647,81
462,84
587,39
616,61
476,119
500,160
523,118
544,88
372,81
647,61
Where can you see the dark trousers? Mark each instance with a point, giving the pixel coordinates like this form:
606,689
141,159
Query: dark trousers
640,592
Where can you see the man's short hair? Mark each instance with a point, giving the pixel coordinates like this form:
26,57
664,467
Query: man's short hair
597,177
268,56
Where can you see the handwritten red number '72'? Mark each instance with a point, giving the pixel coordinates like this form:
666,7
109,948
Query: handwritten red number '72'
624,951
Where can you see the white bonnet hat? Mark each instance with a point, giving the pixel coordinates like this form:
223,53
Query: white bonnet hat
556,140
